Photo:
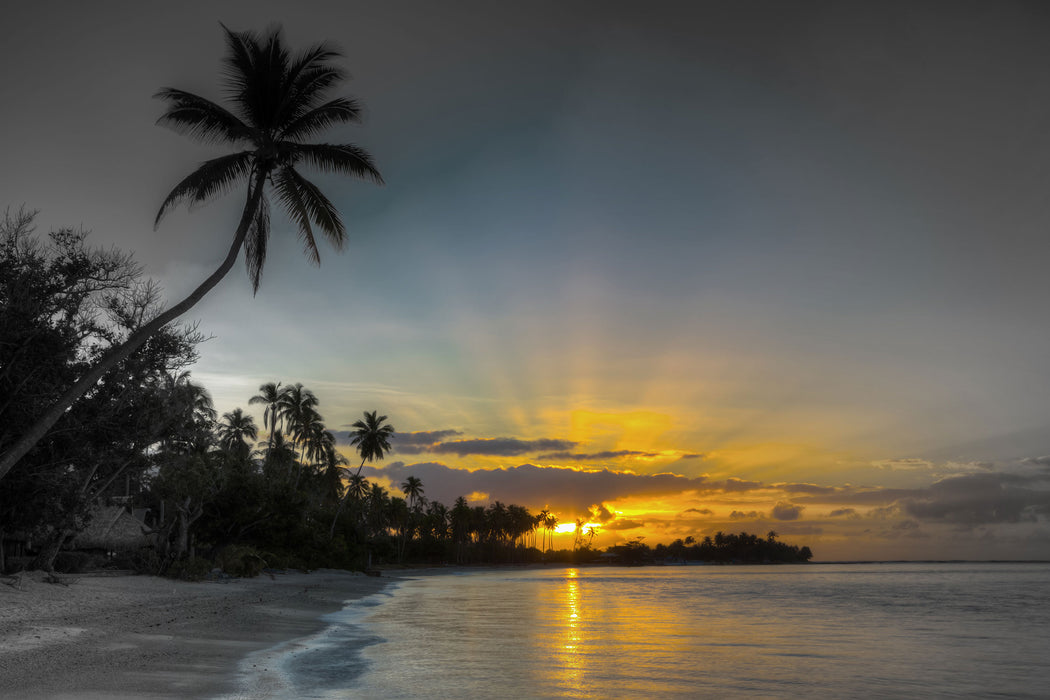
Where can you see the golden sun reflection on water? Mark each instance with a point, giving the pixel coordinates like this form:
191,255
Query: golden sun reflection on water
571,666
572,613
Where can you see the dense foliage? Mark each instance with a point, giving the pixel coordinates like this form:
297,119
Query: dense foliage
279,102
207,491
62,304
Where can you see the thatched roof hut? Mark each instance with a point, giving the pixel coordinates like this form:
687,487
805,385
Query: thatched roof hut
110,528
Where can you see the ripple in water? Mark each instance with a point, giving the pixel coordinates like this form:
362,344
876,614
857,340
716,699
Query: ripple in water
881,630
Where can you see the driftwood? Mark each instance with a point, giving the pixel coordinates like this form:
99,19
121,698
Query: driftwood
53,578
14,581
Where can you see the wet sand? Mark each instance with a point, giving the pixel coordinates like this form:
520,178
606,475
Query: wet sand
145,637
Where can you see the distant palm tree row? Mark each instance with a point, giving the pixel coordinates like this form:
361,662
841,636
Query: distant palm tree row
218,487
215,495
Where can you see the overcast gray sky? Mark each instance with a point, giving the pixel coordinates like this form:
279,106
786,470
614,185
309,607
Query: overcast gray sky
806,241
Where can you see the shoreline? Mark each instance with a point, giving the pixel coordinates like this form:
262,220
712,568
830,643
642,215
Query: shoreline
146,637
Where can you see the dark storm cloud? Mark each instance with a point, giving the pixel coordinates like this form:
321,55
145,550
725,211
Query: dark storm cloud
787,511
734,484
602,514
805,488
742,515
421,441
798,528
1005,496
860,496
698,511
905,528
977,499
499,447
623,525
596,456
533,486
408,443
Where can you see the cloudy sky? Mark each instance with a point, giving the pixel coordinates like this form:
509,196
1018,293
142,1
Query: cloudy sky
676,268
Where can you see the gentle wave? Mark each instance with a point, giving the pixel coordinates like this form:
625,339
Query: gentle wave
888,631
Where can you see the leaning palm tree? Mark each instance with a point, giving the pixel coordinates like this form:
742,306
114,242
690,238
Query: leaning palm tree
371,437
279,100
333,465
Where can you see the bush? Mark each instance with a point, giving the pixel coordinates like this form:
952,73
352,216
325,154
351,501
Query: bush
284,560
72,562
241,561
192,569
141,561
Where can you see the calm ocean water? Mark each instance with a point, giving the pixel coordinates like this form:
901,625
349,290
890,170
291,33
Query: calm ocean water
844,631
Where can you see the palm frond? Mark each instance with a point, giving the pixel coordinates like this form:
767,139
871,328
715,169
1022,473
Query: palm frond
317,55
273,80
213,177
200,118
344,159
239,58
309,75
322,212
291,198
309,86
342,110
255,73
255,243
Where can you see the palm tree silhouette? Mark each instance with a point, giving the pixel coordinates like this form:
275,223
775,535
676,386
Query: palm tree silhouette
279,100
278,455
552,524
541,521
235,430
333,466
371,437
269,395
357,488
413,488
298,410
460,521
577,539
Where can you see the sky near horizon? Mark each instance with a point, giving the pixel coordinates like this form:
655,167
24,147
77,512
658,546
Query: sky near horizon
676,268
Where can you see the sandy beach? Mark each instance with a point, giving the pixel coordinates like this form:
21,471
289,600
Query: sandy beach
148,637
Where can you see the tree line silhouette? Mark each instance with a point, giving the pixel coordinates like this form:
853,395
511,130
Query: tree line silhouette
96,405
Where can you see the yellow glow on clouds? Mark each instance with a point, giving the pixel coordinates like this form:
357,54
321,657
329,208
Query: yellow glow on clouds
635,430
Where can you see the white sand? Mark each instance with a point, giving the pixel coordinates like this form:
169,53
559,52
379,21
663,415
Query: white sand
147,637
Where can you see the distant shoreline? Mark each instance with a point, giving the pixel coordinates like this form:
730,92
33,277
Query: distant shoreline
150,638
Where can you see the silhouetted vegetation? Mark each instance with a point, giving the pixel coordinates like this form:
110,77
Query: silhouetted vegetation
204,490
729,548
279,100
101,424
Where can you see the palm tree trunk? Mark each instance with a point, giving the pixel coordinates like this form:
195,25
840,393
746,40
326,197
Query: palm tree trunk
45,559
342,502
116,355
